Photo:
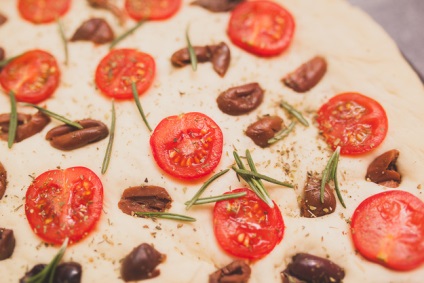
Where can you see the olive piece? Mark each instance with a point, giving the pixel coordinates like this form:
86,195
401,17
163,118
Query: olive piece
144,199
68,272
7,243
33,271
311,205
237,271
240,99
96,30
3,180
383,170
217,5
264,129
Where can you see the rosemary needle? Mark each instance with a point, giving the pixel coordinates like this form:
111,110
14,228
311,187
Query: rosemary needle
217,198
283,133
193,57
56,116
108,153
295,113
64,41
165,215
13,122
125,34
330,174
137,102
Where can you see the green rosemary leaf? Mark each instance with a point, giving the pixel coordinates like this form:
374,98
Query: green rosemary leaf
336,183
137,102
56,116
13,122
283,133
330,174
202,189
165,215
108,153
217,198
193,57
263,177
295,113
125,34
257,182
64,41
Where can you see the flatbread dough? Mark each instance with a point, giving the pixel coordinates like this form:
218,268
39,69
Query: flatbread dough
361,57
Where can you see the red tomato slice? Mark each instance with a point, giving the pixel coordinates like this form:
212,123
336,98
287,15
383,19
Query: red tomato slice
43,11
33,76
152,9
388,228
263,28
188,146
118,69
64,203
355,122
247,227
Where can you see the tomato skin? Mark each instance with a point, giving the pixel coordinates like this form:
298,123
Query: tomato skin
64,203
388,228
43,11
117,70
187,146
33,76
236,230
355,122
263,28
152,9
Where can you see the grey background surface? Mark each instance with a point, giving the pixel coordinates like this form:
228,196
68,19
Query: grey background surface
404,21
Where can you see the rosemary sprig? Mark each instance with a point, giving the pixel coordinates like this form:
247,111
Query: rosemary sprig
56,116
13,122
108,153
165,215
259,177
137,102
283,133
64,41
216,198
193,57
294,112
330,174
203,188
46,275
125,34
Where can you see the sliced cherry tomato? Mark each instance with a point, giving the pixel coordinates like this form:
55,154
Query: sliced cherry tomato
64,204
355,122
247,227
43,11
152,9
33,76
118,69
263,28
188,146
388,228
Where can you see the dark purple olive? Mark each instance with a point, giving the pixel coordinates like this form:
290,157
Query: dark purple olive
33,271
68,272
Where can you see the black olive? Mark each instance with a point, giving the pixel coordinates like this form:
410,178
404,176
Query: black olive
68,272
34,271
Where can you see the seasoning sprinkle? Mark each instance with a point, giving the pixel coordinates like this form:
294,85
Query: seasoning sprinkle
137,102
295,113
56,116
64,41
13,122
330,174
108,153
125,34
216,198
193,57
165,215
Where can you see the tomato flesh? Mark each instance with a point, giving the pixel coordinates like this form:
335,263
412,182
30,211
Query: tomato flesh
388,228
120,68
43,11
263,28
33,76
355,122
188,146
152,9
247,227
62,204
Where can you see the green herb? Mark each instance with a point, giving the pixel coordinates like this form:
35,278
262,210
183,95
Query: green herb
216,198
13,122
165,215
108,153
56,116
283,133
125,34
64,41
46,275
259,177
202,189
7,61
294,112
193,57
137,102
330,174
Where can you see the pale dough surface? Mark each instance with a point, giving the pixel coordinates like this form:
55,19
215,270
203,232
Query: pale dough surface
361,58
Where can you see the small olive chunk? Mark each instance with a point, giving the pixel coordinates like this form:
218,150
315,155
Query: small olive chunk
141,263
217,5
383,170
181,57
32,272
3,19
2,54
110,6
96,30
240,99
307,75
311,205
312,269
7,243
144,199
264,129
66,137
28,125
237,271
3,180
66,272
